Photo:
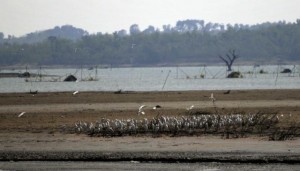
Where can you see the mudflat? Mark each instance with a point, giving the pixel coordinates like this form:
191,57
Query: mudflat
41,129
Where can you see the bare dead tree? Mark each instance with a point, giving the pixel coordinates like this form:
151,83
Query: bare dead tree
230,58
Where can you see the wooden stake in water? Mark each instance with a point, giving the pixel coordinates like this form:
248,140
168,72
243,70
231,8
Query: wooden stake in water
277,75
96,72
40,74
81,73
177,72
166,80
293,71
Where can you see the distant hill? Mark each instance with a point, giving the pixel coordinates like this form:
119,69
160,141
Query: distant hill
189,42
64,32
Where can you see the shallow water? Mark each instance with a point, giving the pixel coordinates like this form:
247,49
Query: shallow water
155,79
133,165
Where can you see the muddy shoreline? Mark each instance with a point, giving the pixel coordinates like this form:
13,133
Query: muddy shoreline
38,135
140,97
146,156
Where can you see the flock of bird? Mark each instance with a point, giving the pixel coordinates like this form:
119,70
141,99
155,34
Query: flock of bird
195,124
141,108
22,113
192,124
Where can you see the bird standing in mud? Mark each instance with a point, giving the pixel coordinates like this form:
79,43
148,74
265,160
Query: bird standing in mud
190,108
212,98
156,108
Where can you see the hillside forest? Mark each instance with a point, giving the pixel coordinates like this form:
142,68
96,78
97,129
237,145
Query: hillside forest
189,42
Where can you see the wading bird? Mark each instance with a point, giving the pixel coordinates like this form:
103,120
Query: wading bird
212,98
204,123
156,107
227,92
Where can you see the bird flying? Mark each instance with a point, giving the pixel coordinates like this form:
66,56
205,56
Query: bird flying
21,114
141,111
190,108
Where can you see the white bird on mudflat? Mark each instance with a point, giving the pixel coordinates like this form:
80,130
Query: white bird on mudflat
75,92
21,114
212,98
190,108
141,111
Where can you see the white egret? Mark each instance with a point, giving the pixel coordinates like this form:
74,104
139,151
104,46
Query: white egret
75,92
190,108
21,114
141,110
212,98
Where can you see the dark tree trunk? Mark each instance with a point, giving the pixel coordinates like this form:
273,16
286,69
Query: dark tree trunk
230,58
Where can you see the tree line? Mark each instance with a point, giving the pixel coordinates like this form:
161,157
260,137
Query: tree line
189,42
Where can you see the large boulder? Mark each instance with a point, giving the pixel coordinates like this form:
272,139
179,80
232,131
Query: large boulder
24,74
235,74
286,70
70,78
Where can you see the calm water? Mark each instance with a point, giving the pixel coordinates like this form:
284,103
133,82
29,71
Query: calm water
91,166
155,79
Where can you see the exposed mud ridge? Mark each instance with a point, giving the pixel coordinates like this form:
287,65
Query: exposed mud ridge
188,157
46,132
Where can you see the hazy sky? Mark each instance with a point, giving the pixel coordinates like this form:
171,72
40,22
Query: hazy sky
18,17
